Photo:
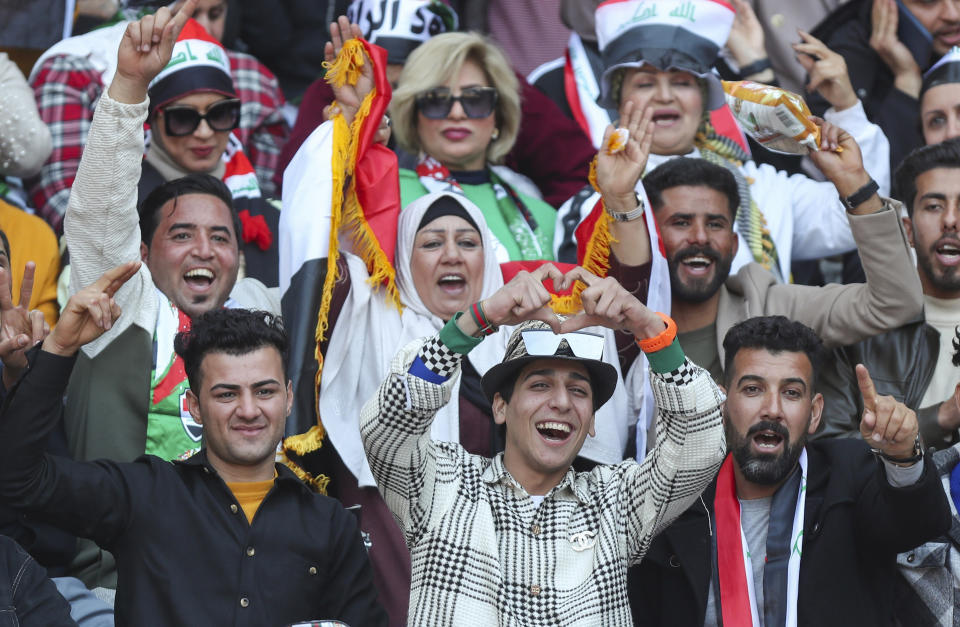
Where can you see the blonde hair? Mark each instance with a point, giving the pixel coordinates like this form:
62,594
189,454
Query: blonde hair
436,62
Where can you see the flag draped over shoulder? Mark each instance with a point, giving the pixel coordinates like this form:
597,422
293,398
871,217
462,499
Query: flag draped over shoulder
593,240
343,189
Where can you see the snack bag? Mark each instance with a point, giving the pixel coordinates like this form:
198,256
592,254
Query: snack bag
778,119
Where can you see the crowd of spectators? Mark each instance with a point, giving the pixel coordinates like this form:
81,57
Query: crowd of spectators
436,312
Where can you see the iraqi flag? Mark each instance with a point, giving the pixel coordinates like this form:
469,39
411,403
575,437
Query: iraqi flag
339,187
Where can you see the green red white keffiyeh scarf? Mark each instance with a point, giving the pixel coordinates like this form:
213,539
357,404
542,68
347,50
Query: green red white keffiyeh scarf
723,151
172,433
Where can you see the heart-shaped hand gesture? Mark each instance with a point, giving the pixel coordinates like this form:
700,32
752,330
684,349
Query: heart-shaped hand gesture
525,298
607,304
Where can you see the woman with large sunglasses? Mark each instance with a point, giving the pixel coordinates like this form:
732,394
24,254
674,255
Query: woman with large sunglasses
193,111
457,107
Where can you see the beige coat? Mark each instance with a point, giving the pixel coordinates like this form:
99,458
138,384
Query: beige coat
840,314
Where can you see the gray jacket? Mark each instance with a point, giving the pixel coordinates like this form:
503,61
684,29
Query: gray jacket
930,590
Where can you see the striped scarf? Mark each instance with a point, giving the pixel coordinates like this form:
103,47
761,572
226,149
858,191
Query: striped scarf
751,224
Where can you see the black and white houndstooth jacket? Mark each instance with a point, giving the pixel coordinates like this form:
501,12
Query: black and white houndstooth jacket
482,552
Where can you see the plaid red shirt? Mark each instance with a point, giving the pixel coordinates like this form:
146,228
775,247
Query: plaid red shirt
67,89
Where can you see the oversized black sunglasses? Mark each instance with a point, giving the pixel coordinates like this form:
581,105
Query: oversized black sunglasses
182,120
477,102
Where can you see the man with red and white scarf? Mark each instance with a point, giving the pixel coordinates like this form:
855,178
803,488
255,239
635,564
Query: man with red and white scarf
792,532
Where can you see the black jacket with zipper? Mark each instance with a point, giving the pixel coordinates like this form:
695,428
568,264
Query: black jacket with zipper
855,523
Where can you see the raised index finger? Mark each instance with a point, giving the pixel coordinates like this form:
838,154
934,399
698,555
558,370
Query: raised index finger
184,13
114,278
867,390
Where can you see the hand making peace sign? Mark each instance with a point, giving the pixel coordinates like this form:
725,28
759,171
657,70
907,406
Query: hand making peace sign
90,312
607,304
20,328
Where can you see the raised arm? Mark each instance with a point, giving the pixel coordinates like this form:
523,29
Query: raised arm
618,174
690,443
892,295
819,226
872,51
102,224
85,498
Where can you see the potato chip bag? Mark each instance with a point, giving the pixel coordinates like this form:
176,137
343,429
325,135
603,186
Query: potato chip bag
776,118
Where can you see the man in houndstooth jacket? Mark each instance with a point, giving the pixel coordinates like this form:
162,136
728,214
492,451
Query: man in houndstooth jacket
523,539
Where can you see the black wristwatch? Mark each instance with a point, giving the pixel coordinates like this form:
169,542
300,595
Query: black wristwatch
914,458
860,196
756,67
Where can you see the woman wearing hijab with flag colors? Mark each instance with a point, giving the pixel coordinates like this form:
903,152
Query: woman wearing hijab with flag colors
659,54
194,110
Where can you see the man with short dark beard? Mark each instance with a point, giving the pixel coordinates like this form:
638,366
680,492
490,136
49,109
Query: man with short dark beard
792,532
694,203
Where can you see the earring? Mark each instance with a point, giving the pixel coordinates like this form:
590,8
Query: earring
495,134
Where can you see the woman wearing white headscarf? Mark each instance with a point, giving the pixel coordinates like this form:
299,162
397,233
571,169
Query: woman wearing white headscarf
366,329
369,330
